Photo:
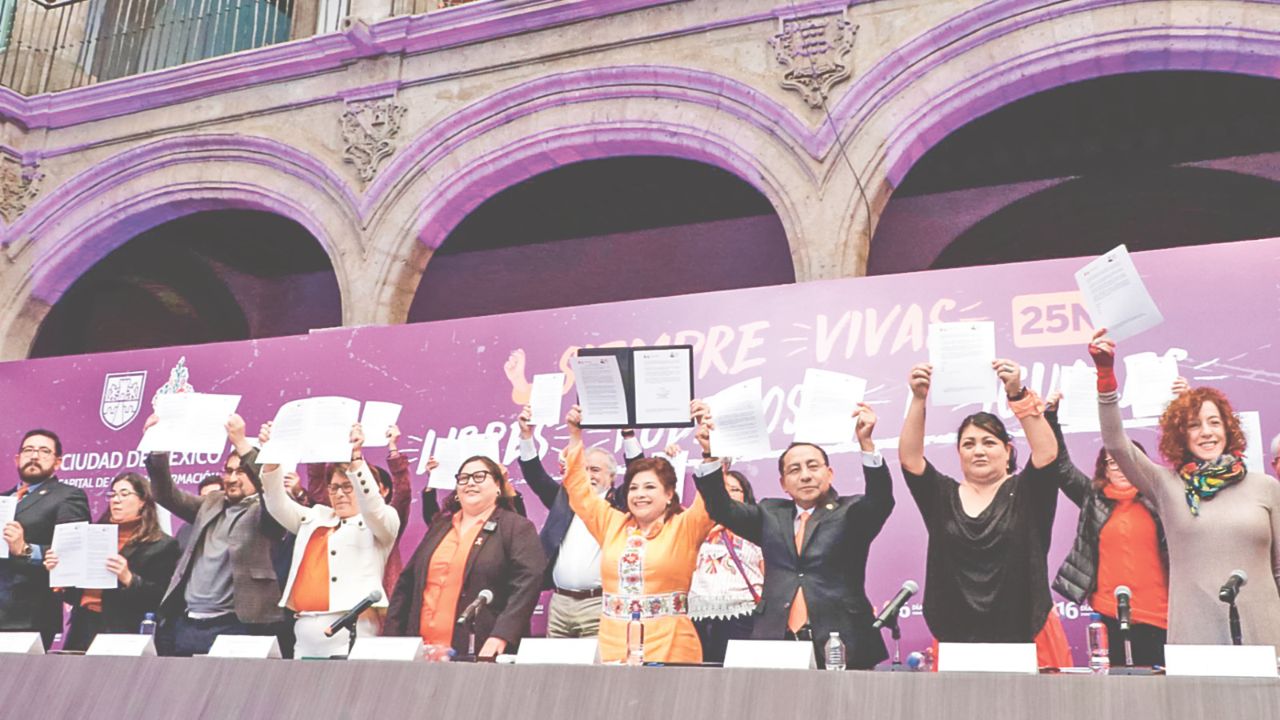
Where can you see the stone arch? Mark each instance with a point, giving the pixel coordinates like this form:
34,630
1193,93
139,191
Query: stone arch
100,209
446,173
1001,52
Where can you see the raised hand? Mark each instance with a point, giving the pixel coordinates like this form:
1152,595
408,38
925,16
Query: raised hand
264,433
920,379
1180,385
698,409
50,559
235,428
393,436
357,441
1103,351
865,427
573,419
1010,373
703,435
16,537
525,419
1051,403
151,422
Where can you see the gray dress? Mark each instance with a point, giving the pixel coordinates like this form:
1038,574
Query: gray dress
1238,529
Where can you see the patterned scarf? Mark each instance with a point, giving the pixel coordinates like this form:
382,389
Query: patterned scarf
1205,478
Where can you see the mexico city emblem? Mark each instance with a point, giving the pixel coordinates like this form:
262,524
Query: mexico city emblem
121,398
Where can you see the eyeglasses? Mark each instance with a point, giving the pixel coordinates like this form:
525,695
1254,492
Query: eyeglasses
235,471
476,478
813,466
41,451
1112,464
122,494
345,489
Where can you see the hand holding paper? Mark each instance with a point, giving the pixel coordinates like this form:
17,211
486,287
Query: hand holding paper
739,430
188,422
8,508
1116,297
378,417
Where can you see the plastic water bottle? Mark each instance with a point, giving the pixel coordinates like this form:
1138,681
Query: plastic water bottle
635,641
148,626
834,652
1099,650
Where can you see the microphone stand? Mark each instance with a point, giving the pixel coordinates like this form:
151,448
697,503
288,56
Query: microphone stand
895,633
1233,617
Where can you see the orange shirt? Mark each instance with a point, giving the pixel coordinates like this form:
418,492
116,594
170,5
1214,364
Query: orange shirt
444,581
1129,554
633,564
311,586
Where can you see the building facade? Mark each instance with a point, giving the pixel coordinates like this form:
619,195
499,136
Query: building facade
383,132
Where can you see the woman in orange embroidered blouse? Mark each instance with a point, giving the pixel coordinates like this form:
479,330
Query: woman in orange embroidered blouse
647,557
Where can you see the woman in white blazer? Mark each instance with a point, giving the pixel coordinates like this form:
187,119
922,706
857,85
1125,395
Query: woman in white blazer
340,552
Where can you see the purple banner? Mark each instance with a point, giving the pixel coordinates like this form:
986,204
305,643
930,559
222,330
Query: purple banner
457,377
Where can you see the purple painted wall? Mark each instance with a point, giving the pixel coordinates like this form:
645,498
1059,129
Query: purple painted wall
451,377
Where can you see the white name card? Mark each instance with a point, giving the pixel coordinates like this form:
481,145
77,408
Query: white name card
559,651
245,646
776,654
987,657
403,649
21,643
1257,661
123,645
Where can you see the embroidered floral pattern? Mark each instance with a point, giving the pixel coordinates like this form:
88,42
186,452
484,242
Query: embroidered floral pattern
649,606
631,565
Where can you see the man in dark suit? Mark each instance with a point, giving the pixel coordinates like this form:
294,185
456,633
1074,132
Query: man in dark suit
573,555
815,544
225,582
26,602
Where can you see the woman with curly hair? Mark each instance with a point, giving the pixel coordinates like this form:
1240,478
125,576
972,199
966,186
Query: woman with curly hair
1218,517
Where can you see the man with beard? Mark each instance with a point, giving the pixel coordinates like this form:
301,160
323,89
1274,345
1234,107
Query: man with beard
26,602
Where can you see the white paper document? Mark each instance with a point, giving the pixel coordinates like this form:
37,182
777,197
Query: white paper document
1148,383
1254,451
545,398
601,392
1078,408
664,386
738,415
101,541
1116,297
314,429
190,422
828,401
8,508
82,551
377,417
961,355
451,453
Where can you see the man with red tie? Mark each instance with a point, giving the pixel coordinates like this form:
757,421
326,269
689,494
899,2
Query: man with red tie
26,602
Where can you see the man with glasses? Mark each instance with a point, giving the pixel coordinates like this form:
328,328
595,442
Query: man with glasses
573,555
26,602
815,543
225,582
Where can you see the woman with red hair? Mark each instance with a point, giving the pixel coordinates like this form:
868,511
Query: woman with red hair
1218,517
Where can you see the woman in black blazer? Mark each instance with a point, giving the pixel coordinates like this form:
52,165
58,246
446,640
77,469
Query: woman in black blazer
144,565
478,543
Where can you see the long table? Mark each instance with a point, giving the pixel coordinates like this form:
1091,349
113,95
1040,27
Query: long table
54,686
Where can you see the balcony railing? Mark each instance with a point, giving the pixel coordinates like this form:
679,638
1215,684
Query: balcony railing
52,45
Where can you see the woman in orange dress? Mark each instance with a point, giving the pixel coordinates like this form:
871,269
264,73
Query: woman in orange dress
648,554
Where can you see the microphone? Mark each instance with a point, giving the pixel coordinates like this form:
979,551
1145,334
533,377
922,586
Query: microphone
484,598
1232,586
909,588
1123,597
348,620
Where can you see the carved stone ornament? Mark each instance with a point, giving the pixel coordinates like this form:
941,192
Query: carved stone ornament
19,186
369,129
815,52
